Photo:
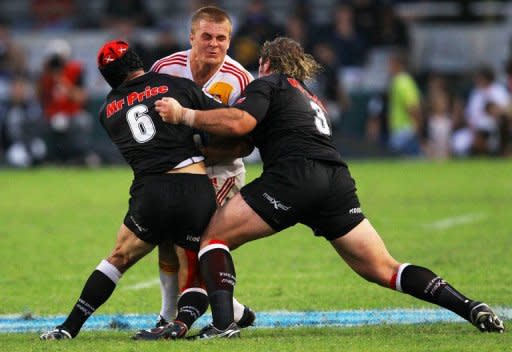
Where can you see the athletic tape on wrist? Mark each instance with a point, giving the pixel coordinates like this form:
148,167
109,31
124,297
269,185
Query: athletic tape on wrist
188,117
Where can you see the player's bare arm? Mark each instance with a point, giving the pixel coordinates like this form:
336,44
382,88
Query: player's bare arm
222,122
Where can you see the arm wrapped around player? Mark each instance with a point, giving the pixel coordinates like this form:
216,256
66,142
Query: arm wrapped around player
221,149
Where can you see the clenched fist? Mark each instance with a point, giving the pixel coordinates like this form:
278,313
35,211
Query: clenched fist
171,111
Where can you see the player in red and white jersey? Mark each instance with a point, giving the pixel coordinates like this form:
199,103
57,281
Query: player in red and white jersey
221,77
208,65
225,85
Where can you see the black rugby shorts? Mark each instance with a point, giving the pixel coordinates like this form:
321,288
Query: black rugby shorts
171,206
319,194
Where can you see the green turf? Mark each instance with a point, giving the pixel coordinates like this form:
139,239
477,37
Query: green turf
438,337
57,224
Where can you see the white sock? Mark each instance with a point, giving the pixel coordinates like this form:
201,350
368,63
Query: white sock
169,291
238,310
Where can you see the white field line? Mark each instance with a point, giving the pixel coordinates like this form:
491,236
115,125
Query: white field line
455,221
272,319
143,284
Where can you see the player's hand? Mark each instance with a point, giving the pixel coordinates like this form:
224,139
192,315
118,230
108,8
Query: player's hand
169,110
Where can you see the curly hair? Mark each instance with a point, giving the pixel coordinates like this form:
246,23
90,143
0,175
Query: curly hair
287,56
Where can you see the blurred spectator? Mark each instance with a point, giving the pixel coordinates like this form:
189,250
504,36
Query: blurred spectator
377,125
480,132
497,139
256,27
298,30
349,45
302,9
165,43
405,118
12,56
390,29
366,17
326,84
134,11
127,30
507,128
12,60
22,127
63,97
53,14
439,125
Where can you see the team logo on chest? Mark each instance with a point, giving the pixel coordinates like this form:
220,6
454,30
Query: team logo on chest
220,91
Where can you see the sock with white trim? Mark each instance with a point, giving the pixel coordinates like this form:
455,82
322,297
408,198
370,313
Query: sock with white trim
192,303
96,291
169,292
218,273
238,310
424,284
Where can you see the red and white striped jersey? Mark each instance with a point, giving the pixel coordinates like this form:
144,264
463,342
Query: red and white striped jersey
225,85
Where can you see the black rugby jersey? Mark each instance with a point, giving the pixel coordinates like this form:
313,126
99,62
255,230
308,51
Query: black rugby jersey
149,145
291,120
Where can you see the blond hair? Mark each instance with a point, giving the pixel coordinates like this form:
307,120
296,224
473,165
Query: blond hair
211,14
287,56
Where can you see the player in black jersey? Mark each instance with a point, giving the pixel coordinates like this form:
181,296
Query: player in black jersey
171,197
304,180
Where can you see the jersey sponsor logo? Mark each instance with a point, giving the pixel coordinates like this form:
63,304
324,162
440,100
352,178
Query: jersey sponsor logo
276,203
135,97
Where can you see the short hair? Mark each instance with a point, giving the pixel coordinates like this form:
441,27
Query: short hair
287,56
486,72
400,56
210,13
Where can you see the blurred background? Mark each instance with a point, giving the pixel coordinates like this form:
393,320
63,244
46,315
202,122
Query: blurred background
420,79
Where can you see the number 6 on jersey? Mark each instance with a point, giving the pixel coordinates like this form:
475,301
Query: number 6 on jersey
140,123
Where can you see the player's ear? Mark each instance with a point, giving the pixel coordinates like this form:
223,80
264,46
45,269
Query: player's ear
264,68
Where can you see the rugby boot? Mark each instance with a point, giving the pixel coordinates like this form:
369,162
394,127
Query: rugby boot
172,331
56,334
211,332
485,319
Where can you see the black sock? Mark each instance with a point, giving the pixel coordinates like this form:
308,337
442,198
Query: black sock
191,305
96,291
424,284
218,273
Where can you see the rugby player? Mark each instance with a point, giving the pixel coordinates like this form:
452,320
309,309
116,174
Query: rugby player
304,180
171,196
209,66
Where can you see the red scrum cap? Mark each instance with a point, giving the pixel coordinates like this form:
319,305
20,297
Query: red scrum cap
115,60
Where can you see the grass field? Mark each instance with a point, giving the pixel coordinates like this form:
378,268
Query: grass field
453,217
